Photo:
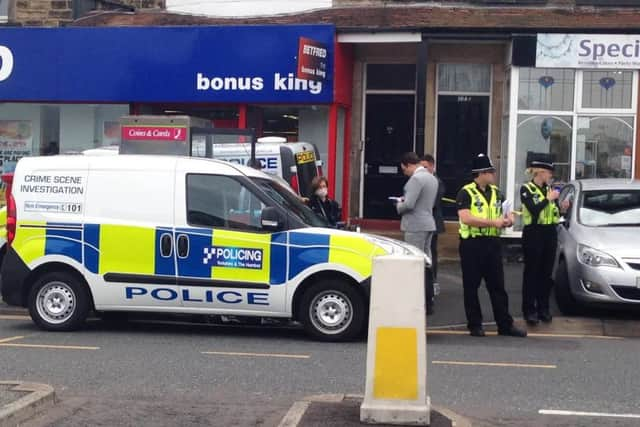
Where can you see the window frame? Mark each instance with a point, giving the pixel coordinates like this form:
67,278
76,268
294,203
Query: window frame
606,111
263,199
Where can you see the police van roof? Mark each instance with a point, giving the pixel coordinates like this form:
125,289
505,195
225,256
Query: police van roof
138,162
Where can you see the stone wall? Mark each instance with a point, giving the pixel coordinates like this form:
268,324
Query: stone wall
56,13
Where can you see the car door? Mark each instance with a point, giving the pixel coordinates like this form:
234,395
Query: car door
226,262
568,193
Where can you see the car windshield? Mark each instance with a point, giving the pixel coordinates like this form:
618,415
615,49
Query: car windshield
610,208
290,202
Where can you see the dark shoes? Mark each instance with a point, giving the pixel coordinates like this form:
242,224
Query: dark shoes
531,319
513,331
477,332
545,316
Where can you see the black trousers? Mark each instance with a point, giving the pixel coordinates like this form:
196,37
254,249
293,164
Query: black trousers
481,258
539,244
434,256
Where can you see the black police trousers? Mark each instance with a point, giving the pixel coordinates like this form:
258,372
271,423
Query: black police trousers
539,244
481,258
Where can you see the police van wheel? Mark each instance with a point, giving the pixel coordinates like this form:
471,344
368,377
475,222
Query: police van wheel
333,311
58,302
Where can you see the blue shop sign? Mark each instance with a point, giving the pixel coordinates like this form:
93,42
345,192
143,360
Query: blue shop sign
168,64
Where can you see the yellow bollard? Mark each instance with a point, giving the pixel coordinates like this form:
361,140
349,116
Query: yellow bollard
396,384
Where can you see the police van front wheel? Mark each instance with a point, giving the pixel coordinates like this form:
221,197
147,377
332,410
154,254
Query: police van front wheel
333,311
58,301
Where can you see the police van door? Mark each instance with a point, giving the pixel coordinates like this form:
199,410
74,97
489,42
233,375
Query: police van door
225,260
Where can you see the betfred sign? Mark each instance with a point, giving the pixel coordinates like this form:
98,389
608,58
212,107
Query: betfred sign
154,133
312,59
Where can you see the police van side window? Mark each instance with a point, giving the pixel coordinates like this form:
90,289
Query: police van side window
222,202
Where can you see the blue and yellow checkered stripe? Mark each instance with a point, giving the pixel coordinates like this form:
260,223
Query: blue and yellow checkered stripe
111,248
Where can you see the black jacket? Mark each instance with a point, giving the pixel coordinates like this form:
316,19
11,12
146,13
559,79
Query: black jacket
329,209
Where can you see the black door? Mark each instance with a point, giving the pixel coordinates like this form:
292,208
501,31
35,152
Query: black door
389,134
463,130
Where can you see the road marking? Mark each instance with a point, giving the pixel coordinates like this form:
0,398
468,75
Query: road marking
586,414
47,346
13,317
493,364
11,339
294,415
284,356
533,335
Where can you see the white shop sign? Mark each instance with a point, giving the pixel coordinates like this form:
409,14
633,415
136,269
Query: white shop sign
588,51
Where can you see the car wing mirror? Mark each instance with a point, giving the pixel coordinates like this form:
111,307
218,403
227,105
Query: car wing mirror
271,219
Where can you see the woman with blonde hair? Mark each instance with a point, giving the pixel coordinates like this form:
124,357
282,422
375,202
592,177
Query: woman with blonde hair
540,214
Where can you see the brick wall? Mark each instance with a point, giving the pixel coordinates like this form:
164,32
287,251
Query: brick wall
55,13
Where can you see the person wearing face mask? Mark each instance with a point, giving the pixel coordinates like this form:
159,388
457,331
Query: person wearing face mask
540,215
320,202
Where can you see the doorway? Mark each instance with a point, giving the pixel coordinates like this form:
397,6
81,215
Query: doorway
389,133
463,132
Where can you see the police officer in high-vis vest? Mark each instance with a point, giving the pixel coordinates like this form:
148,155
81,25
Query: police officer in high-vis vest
540,215
481,223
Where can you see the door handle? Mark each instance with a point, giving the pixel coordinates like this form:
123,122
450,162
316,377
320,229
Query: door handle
183,246
166,245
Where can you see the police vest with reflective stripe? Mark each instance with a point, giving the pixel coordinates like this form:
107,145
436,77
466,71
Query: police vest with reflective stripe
550,215
480,208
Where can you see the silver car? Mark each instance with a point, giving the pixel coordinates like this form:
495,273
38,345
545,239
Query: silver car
598,259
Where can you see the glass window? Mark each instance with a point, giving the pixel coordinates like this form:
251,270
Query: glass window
542,134
611,208
221,201
604,147
391,76
607,89
464,78
546,89
290,202
46,129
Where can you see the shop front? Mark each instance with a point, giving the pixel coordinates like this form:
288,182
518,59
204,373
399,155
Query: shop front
574,96
63,90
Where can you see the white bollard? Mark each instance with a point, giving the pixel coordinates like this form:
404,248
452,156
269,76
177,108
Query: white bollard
396,386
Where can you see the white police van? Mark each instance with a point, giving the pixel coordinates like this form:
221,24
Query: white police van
166,234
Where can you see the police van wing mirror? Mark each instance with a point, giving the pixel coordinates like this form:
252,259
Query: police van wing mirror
271,219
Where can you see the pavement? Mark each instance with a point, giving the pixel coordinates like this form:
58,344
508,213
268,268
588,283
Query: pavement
178,373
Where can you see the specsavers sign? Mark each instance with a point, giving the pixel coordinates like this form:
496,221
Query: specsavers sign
588,51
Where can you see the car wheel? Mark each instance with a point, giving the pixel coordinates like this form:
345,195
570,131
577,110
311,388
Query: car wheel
333,311
567,303
58,301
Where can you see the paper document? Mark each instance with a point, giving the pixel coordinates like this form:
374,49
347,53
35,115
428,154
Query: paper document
507,208
395,199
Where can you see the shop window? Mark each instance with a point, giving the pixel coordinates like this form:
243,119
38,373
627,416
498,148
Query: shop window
47,129
607,89
604,147
546,89
391,76
466,78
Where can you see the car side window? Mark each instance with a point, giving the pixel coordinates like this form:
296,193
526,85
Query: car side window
568,193
222,202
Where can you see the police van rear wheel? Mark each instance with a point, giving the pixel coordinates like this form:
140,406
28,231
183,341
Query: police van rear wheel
333,311
58,302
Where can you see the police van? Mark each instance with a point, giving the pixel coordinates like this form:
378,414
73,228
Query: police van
295,162
178,235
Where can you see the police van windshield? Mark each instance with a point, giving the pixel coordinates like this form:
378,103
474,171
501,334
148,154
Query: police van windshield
307,170
290,202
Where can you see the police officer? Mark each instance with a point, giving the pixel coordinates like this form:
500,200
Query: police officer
540,215
481,222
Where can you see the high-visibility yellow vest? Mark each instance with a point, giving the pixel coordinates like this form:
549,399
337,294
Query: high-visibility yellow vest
550,215
480,208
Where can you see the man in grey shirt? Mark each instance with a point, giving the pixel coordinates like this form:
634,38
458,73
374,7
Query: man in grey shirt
416,208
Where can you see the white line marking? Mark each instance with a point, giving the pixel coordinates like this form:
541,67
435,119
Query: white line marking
51,347
493,364
14,317
586,414
284,356
11,339
295,414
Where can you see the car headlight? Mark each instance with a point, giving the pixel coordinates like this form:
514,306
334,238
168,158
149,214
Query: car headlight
595,258
393,247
